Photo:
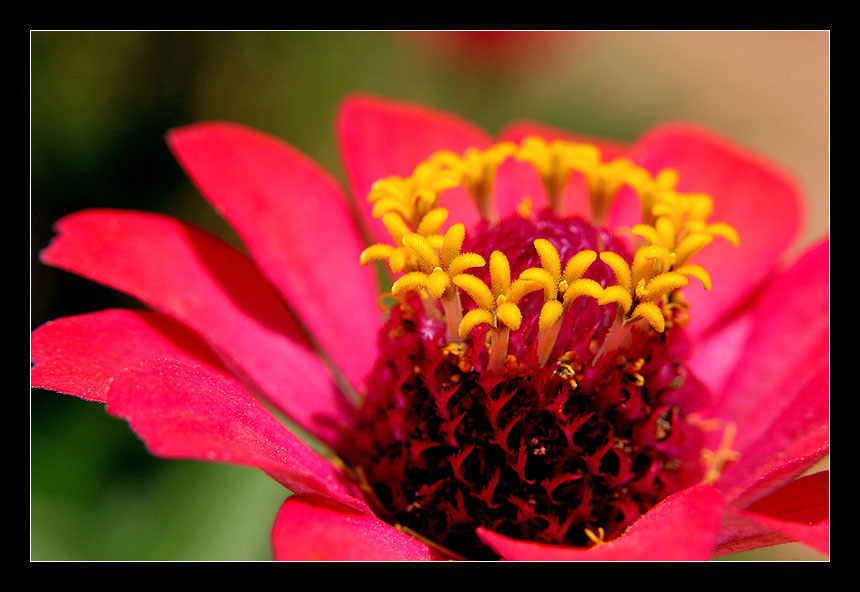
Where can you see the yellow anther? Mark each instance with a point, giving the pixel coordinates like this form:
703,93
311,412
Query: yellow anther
696,271
725,231
582,287
377,252
650,261
662,284
621,269
409,282
425,253
437,282
477,290
452,243
541,276
597,538
463,262
549,258
578,265
500,273
432,221
396,226
550,314
690,245
652,313
509,314
619,295
715,461
520,287
473,318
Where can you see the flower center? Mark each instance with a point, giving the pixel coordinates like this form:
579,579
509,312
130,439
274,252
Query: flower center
522,386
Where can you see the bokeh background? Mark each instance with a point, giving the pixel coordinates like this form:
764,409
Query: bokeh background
102,101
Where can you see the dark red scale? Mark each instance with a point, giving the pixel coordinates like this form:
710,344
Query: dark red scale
540,454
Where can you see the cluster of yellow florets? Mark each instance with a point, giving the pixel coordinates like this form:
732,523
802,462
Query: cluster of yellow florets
674,227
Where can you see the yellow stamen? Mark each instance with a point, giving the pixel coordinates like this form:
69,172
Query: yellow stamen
597,538
715,461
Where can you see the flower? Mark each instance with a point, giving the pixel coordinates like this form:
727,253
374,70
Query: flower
543,381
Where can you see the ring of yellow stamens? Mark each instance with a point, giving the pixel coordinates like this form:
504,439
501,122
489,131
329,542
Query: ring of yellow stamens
674,225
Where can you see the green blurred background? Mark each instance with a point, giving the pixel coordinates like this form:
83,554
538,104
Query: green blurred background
102,101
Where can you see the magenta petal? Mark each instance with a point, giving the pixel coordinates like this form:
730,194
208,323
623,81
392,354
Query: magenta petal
80,355
185,411
778,394
288,211
379,138
683,527
797,512
762,203
215,291
317,528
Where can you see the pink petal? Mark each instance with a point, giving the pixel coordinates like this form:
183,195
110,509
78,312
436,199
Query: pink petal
80,355
190,412
515,181
683,527
317,528
797,512
761,202
379,138
215,291
778,394
816,536
294,220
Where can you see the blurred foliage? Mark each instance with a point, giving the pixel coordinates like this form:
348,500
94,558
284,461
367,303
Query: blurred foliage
100,105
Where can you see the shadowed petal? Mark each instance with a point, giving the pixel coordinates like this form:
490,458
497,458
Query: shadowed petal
185,411
380,137
797,512
80,355
287,210
317,528
683,527
761,202
214,290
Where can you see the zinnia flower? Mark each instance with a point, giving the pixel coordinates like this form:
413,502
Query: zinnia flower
580,350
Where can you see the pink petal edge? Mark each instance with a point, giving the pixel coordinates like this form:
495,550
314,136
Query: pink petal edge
80,355
762,202
682,527
382,137
212,289
185,411
317,528
288,211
